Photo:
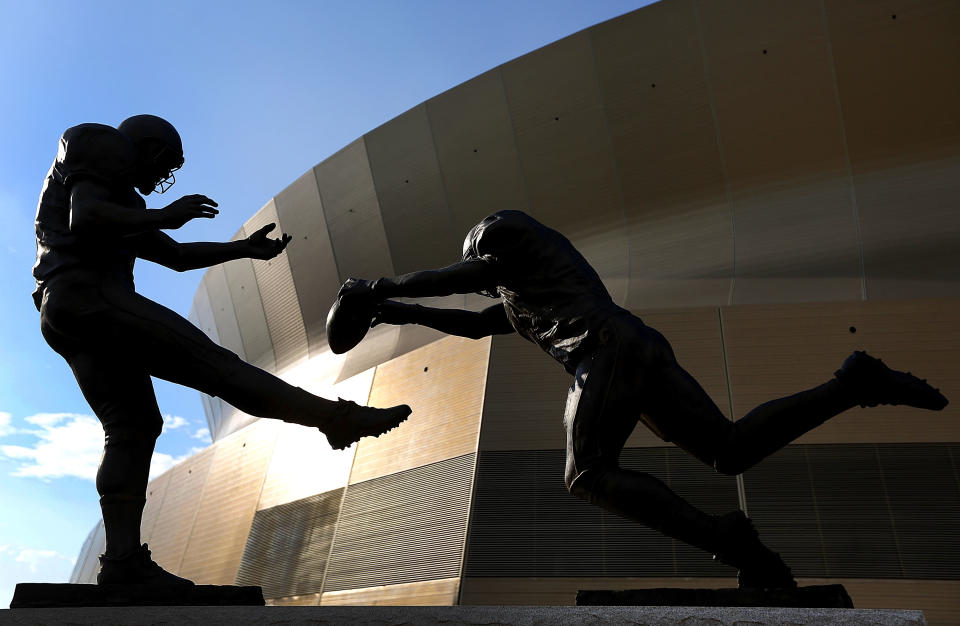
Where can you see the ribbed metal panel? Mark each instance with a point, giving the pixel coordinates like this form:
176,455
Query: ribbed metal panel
566,155
248,306
156,491
87,565
226,509
289,544
860,510
281,306
404,527
524,523
310,255
417,222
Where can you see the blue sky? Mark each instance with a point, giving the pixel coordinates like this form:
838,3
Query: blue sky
261,92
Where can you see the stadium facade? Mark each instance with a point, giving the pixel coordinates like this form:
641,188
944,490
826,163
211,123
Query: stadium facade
770,184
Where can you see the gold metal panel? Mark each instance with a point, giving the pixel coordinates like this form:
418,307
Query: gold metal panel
442,592
303,463
896,68
221,304
524,398
657,104
475,147
557,591
566,155
782,141
896,78
248,306
311,599
225,512
778,350
156,490
697,343
352,211
443,383
310,255
281,306
419,227
174,523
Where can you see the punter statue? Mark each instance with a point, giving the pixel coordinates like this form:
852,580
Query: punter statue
624,372
91,226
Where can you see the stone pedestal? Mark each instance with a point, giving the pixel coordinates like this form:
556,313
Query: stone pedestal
39,595
479,615
814,596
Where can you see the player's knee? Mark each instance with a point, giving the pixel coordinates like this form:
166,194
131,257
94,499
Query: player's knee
582,484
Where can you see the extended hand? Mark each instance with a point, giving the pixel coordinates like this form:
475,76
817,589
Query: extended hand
261,247
356,289
181,211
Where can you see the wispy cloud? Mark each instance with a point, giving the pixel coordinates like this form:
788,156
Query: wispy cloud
5,427
172,422
203,434
71,444
22,564
68,444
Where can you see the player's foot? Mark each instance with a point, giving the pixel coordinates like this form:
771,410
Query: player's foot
136,568
352,421
872,383
757,565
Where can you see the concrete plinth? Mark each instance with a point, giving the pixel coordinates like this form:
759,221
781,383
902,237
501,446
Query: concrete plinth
469,615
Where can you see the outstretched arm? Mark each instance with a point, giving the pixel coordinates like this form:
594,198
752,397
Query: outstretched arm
464,277
93,212
490,321
160,248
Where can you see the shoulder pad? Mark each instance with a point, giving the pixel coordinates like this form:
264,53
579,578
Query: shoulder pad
96,151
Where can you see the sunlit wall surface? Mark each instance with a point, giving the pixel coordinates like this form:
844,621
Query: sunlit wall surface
771,184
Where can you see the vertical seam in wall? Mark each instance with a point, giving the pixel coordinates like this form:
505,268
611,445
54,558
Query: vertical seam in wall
196,512
293,281
816,511
886,499
436,158
846,151
513,135
476,469
259,296
323,214
343,496
723,161
376,195
741,490
616,165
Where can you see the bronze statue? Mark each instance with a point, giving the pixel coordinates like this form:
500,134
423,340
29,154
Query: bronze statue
624,371
91,225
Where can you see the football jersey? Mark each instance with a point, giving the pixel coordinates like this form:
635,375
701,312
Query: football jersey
92,151
550,293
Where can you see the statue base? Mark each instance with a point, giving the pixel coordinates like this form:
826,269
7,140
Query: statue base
812,597
43,595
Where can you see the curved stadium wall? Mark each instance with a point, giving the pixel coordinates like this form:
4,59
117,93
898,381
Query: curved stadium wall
772,185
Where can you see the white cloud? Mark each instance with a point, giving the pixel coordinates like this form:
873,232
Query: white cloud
203,434
20,564
5,427
172,422
70,444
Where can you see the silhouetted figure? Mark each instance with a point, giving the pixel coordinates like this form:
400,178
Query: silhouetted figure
625,371
91,225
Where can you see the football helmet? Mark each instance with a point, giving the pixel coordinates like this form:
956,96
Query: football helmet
159,148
